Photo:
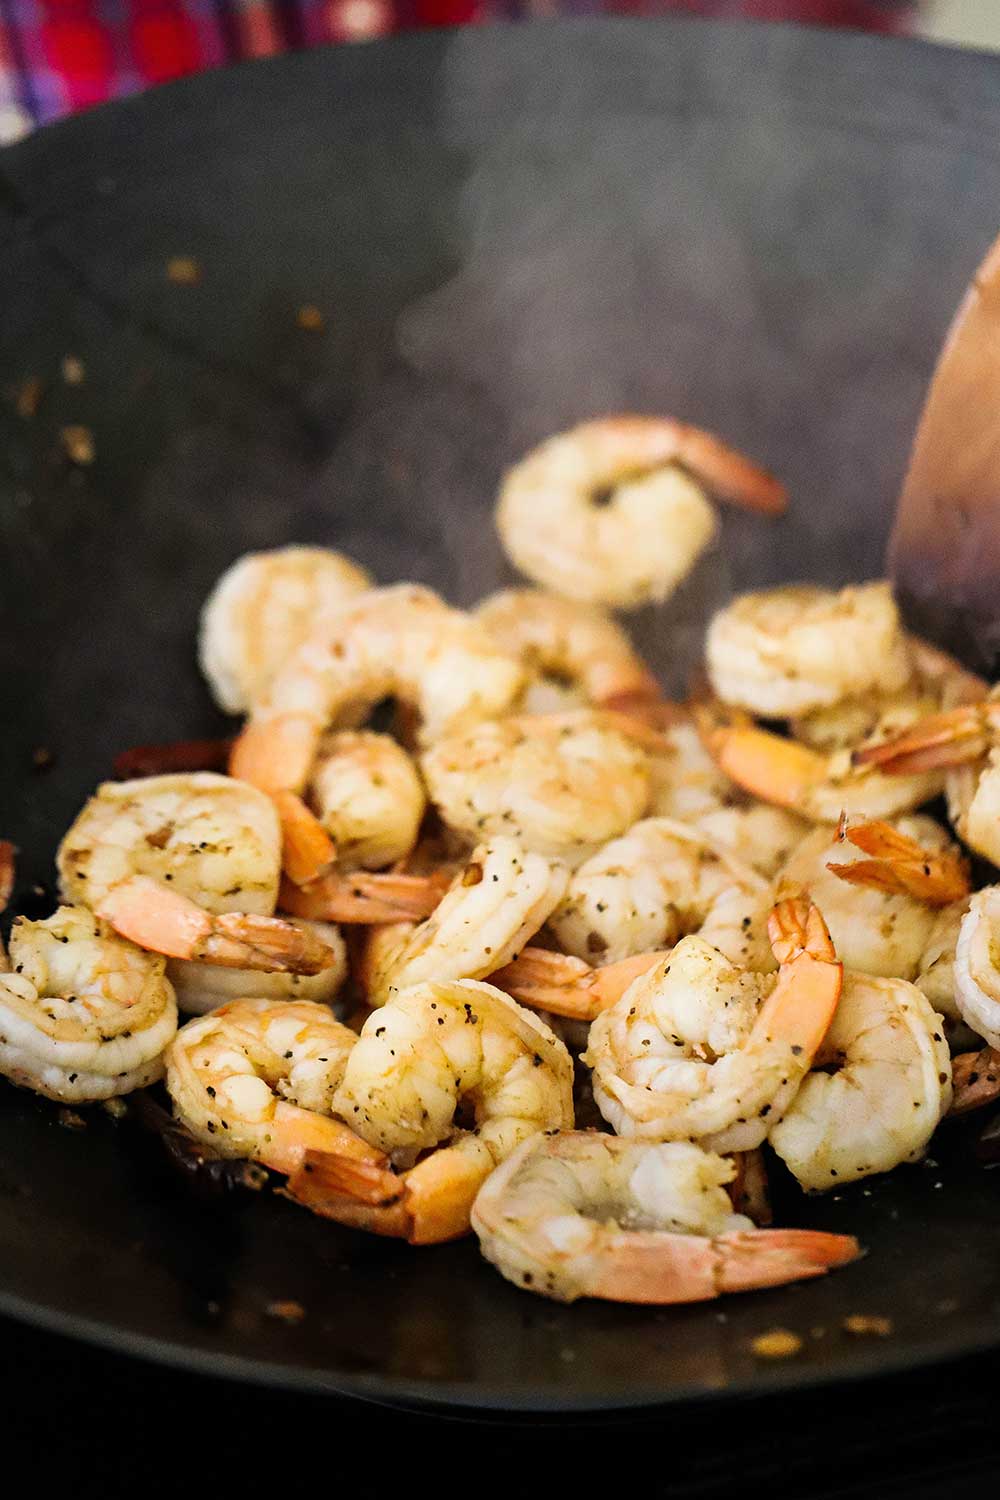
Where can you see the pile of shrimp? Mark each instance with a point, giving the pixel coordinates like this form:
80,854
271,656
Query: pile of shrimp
411,961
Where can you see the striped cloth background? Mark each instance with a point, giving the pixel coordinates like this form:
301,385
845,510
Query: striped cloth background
57,56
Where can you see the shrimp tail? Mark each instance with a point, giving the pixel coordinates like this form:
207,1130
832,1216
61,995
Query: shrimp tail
947,739
662,1268
307,850
567,986
275,754
901,866
427,1205
777,770
364,897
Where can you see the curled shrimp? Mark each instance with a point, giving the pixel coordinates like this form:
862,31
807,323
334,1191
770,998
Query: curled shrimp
977,965
572,643
652,885
784,651
83,1014
608,513
581,1214
880,910
256,1079
697,1049
495,905
429,1050
818,785
561,784
367,793
188,866
882,1083
261,608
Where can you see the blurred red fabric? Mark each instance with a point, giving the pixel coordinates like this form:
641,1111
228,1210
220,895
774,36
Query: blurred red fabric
57,56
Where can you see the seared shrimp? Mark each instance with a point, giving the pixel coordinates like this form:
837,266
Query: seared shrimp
580,1214
561,784
367,794
83,1014
890,1085
201,987
401,640
657,882
262,607
698,1049
606,514
495,906
787,650
188,866
880,910
429,1050
977,965
257,1078
572,643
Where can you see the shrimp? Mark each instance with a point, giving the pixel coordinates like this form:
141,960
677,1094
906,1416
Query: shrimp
963,741
495,905
657,882
977,965
84,1015
428,1051
697,1049
188,866
368,796
261,608
687,785
880,911
606,514
563,986
818,785
201,987
256,1079
889,1088
581,1214
401,640
571,643
561,784
388,896
787,650
935,976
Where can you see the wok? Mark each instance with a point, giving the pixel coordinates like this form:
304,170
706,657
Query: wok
761,230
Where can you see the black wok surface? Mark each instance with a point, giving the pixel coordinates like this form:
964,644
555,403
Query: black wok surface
762,230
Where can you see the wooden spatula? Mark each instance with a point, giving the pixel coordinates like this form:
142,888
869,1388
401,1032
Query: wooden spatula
944,552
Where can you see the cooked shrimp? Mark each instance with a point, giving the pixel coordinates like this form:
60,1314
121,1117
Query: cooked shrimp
561,784
572,643
402,640
606,514
367,794
698,1049
787,650
935,976
657,882
818,785
495,905
188,866
429,1050
257,1078
977,965
890,1086
580,1214
963,741
83,1014
359,897
879,910
261,608
686,784
560,985
201,987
